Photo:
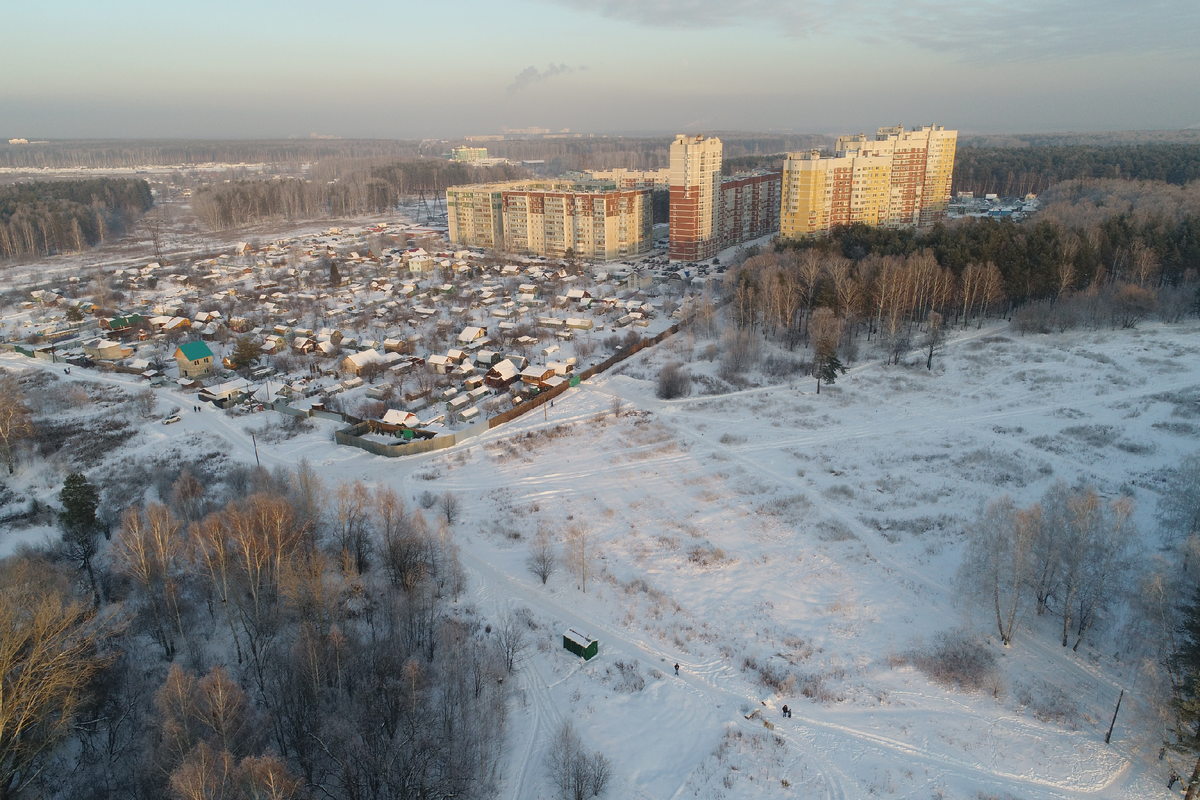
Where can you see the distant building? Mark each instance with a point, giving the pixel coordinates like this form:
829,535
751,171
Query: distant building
899,179
469,154
587,219
632,178
695,181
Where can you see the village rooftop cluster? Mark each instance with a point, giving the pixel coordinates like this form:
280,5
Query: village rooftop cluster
384,324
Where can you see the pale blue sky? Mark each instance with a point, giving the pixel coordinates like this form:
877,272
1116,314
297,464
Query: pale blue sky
136,68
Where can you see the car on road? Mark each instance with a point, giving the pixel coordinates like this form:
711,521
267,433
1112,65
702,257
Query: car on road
172,419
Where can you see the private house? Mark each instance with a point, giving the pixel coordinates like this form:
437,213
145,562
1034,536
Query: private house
536,376
194,359
105,349
468,335
502,375
356,363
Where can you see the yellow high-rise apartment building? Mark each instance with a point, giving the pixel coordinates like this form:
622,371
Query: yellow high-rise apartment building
899,179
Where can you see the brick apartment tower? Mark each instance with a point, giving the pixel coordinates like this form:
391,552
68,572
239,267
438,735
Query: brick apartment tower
695,195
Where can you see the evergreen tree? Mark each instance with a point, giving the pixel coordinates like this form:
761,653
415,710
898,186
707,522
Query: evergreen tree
335,278
829,366
245,352
80,526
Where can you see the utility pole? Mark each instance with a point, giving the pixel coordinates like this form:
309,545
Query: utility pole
1113,724
259,463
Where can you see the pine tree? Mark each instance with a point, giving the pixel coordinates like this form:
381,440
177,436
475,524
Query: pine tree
80,527
245,352
828,368
335,278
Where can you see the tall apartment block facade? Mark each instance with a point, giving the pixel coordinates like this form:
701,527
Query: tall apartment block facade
899,179
695,196
749,206
632,178
710,212
592,220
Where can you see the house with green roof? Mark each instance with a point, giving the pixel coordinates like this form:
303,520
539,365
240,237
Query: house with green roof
194,359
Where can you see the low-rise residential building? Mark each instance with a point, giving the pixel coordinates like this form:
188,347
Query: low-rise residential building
194,359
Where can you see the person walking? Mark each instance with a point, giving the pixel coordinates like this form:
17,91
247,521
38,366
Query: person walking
676,669
787,712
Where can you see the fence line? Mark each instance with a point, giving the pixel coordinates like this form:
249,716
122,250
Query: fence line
352,436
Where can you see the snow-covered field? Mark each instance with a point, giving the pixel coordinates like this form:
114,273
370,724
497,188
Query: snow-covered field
785,547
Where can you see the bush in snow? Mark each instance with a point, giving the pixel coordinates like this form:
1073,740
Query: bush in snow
956,659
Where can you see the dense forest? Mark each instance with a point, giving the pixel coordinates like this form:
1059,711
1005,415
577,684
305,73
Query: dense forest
1062,251
55,217
257,636
339,189
1018,171
113,154
1102,254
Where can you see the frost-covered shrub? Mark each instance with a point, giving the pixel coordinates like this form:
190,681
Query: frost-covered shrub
956,659
673,381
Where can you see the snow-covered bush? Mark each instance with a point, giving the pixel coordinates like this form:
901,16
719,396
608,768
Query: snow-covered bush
956,659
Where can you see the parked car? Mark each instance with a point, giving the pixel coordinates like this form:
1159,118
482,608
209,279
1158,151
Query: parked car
172,419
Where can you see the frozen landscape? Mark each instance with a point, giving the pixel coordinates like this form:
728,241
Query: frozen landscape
783,547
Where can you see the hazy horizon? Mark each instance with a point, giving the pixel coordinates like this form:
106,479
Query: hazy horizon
372,70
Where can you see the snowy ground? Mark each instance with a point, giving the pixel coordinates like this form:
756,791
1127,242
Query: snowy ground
774,536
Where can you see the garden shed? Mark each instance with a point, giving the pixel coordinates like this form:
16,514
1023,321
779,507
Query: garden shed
581,644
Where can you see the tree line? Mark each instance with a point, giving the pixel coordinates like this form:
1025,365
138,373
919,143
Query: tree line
1016,171
1040,260
44,218
140,153
338,189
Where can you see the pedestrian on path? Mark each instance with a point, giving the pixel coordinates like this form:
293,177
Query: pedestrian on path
676,669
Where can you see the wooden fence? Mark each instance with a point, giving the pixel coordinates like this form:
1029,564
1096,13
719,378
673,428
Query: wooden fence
352,436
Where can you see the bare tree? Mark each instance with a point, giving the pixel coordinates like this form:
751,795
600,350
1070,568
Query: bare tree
935,337
351,523
542,559
451,506
575,773
995,565
49,654
144,402
616,405
580,553
16,423
1178,509
512,637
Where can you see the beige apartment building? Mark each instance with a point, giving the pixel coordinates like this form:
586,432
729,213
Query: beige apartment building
632,178
899,179
590,220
